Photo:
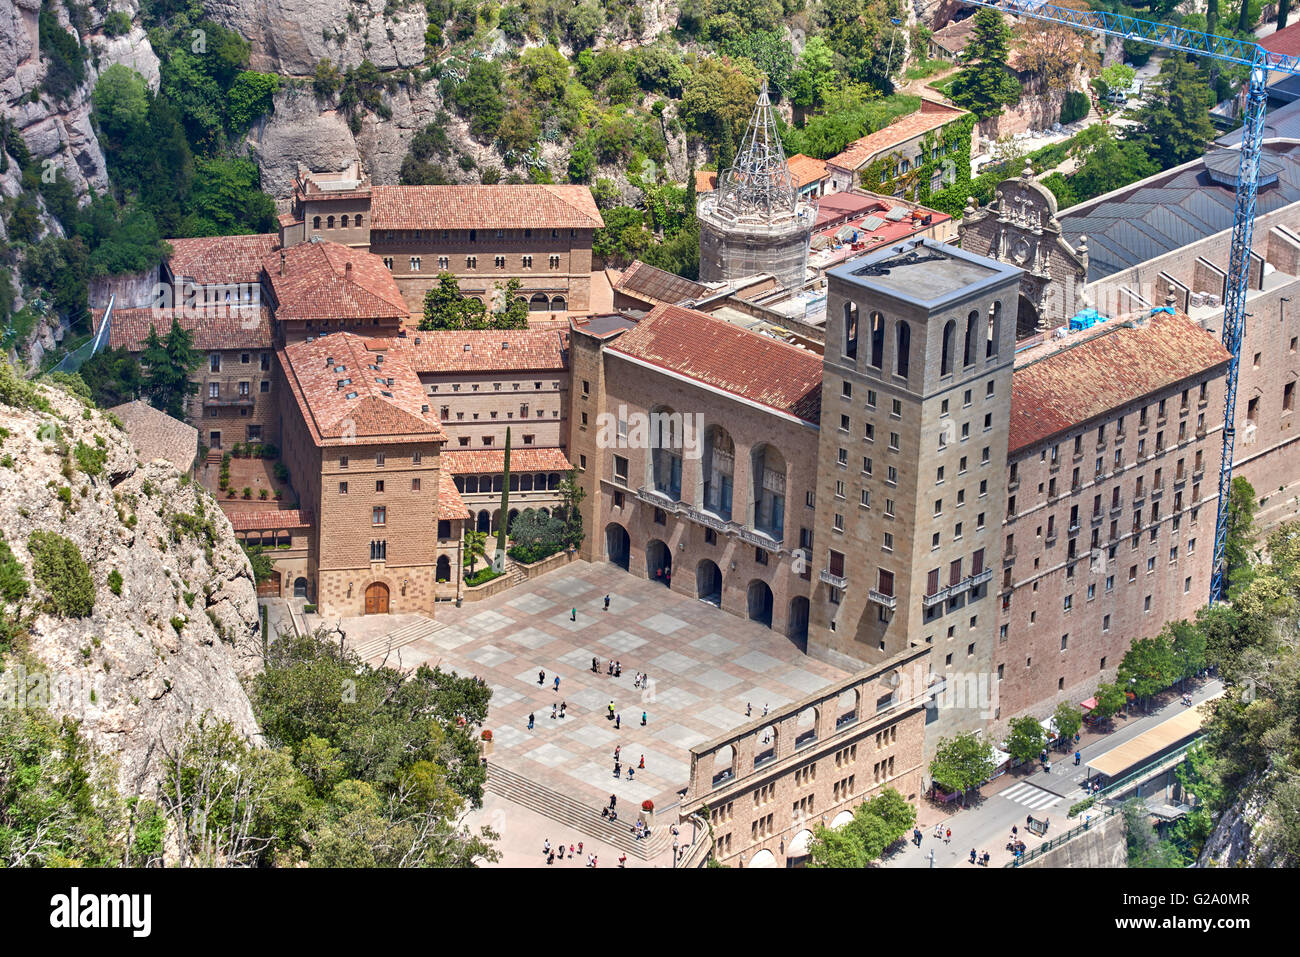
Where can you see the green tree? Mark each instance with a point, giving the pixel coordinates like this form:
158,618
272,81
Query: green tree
446,308
249,98
1025,739
1188,643
572,494
1148,667
61,572
168,364
1174,122
263,567
13,577
228,200
479,97
121,102
113,375
505,506
719,95
475,548
1145,849
985,85
513,313
814,75
1069,720
962,762
877,825
1239,538
1110,700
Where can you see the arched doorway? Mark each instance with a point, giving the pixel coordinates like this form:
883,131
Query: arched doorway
443,572
618,547
1026,318
796,624
763,858
484,521
796,855
708,582
376,599
841,819
300,587
760,602
659,561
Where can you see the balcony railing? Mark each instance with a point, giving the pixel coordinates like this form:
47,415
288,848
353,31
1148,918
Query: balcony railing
830,578
880,598
751,536
979,578
938,598
228,401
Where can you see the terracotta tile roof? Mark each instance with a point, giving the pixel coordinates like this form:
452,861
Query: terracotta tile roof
482,351
235,329
220,259
484,207
491,461
1285,41
1063,384
706,180
955,36
806,169
931,116
317,284
270,521
656,285
394,409
156,435
451,506
715,352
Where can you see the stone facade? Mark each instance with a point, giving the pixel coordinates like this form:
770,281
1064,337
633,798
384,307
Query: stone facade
765,785
236,402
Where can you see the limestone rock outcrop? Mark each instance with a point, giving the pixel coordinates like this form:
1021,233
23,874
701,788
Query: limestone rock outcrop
171,638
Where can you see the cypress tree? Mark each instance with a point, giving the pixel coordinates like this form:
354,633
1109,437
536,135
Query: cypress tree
505,505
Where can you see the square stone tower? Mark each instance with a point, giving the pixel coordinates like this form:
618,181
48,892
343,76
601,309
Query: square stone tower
910,495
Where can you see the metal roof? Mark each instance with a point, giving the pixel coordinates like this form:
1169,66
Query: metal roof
1173,209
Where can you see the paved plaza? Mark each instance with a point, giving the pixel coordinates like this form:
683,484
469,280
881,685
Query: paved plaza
704,666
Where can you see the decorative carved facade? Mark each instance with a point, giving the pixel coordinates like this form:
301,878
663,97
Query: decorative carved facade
1020,227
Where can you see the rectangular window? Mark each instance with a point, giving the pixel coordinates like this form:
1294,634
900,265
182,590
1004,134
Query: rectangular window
343,488
379,551
379,515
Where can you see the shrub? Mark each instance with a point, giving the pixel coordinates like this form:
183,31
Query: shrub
90,460
263,494
61,571
248,492
115,582
1075,106
13,579
309,609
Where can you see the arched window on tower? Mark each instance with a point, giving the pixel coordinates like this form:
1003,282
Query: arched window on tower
945,363
877,340
995,330
968,354
902,348
850,330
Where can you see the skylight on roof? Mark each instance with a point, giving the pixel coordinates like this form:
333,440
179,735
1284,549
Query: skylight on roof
340,368
386,393
350,395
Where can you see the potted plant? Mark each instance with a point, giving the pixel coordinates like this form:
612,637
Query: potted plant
486,737
647,816
263,494
279,494
248,492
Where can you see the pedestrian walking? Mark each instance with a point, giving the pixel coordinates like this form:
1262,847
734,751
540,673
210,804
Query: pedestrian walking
618,721
617,749
554,708
613,802
546,846
1078,756
541,677
641,763
580,842
1047,767
947,836
571,852
916,836
972,855
644,717
573,615
561,849
595,666
550,858
609,668
607,603
630,773
618,669
557,683
611,709
530,721
765,711
749,709
622,858
563,705
618,770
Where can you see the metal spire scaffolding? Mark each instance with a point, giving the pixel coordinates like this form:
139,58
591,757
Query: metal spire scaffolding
759,187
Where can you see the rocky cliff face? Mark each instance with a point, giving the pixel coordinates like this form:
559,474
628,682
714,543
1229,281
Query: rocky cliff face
168,641
1239,838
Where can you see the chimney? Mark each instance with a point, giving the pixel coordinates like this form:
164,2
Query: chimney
282,262
347,270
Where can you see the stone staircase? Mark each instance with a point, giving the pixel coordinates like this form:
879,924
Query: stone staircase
213,457
565,810
376,647
514,574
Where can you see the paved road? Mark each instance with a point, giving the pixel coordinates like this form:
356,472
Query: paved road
1008,800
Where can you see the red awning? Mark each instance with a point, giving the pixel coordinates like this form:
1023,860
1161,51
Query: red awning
1089,704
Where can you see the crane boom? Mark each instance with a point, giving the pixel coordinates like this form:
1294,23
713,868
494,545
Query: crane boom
1261,63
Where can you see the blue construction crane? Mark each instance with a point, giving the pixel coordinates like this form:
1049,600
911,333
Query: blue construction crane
1261,63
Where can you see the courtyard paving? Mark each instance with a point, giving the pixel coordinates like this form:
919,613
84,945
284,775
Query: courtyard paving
704,667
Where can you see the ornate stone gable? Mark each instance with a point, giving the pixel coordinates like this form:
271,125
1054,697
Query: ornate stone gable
1020,228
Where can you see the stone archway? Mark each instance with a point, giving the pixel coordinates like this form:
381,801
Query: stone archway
483,523
443,572
1026,318
796,625
759,598
708,582
618,545
659,561
300,587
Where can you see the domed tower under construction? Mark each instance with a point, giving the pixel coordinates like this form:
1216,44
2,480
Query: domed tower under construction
754,222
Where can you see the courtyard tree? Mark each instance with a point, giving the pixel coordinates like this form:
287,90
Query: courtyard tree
1174,122
1069,720
962,763
500,560
1188,643
1148,667
475,548
1110,700
572,493
1025,739
1240,538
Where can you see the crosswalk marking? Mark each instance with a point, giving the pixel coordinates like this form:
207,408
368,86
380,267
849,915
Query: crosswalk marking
1034,798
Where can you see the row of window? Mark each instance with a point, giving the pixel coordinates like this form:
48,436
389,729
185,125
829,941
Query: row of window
471,262
412,235
992,330
245,358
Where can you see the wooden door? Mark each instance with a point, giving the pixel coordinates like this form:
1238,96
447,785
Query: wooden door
377,599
